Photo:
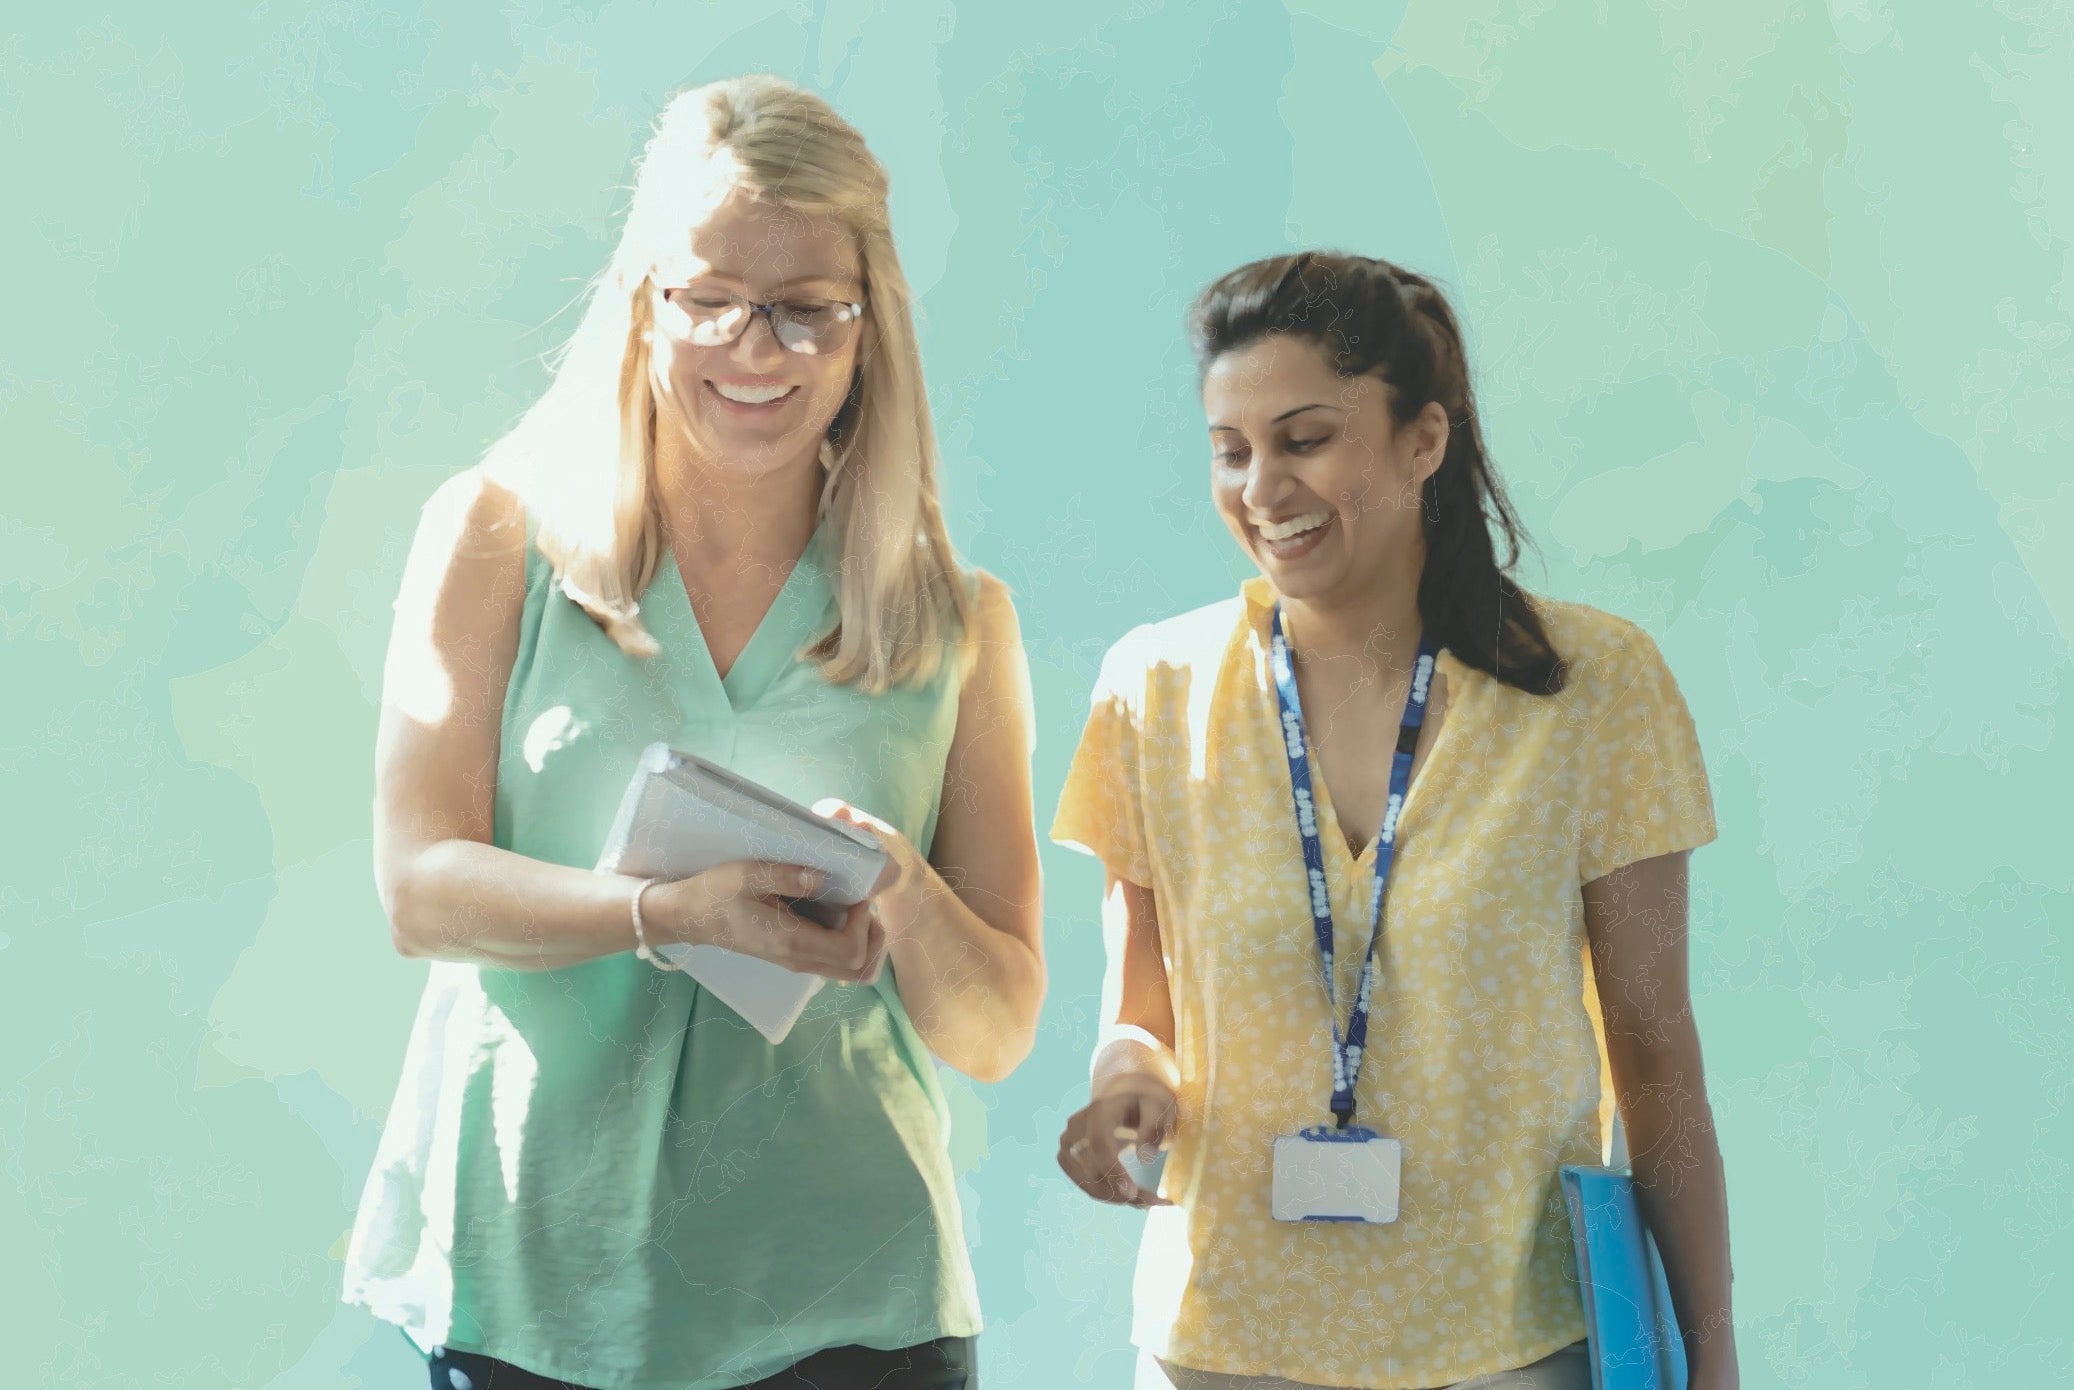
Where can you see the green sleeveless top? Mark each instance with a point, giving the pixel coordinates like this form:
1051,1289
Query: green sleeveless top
604,1175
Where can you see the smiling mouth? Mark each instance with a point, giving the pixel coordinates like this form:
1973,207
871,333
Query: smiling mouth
751,395
1293,528
1295,538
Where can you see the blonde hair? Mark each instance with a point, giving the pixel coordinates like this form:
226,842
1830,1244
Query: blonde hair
582,459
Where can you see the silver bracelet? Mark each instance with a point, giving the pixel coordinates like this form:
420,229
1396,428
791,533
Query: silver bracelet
641,946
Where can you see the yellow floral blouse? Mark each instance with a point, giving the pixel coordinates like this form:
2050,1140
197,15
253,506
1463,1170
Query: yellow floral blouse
1483,1058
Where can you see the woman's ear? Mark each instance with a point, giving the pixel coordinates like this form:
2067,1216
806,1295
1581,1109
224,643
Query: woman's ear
1429,431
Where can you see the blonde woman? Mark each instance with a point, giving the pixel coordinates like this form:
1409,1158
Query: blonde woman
718,527
1374,826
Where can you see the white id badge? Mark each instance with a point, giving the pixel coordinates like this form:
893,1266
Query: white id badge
1327,1174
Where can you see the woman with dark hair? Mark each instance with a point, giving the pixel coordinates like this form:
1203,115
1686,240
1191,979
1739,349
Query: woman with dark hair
1384,802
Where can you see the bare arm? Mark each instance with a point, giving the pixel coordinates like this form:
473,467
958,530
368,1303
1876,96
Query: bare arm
1136,1082
1136,1002
448,892
965,928
1635,918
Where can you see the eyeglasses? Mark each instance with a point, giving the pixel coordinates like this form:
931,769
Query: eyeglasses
812,327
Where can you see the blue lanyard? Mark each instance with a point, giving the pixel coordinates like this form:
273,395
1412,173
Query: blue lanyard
1346,1055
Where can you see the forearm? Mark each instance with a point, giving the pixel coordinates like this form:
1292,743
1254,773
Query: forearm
1679,1183
463,900
1136,1047
1131,1057
973,990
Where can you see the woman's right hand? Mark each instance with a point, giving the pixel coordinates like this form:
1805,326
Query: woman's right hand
741,906
1127,1110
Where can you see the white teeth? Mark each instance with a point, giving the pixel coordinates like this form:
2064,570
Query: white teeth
1296,526
752,395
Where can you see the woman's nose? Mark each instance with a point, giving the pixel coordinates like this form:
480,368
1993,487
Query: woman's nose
1265,483
758,347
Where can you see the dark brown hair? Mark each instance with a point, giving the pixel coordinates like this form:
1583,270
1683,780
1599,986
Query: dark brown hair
1370,317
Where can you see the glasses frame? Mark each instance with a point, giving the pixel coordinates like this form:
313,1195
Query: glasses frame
768,311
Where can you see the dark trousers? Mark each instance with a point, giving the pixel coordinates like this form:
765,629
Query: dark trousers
949,1363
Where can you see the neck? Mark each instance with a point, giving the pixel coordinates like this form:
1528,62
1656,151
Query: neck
1378,620
726,521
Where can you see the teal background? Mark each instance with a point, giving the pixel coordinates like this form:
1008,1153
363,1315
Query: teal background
1770,307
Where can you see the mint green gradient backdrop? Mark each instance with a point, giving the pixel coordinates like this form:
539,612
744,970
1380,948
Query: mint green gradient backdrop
1770,307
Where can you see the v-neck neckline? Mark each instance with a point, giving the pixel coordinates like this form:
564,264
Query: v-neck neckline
779,633
1336,844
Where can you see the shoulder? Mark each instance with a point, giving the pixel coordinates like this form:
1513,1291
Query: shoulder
1584,633
993,661
1173,649
993,607
475,519
459,607
992,630
1607,655
465,579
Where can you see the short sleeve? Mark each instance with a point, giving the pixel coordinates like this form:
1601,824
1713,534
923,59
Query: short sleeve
1101,808
1645,789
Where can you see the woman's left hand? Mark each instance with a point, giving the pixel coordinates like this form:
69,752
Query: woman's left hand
905,872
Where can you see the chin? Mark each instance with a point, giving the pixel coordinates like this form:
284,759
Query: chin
1304,579
1302,588
747,449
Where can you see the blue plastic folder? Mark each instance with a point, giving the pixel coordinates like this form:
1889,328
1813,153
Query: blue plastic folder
1627,1303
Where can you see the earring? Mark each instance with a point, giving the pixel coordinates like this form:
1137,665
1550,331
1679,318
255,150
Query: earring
827,457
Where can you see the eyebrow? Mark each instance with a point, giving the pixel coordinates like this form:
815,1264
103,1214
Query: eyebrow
1314,405
790,282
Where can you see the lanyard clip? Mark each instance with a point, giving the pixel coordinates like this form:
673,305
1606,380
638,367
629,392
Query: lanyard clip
1344,1117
